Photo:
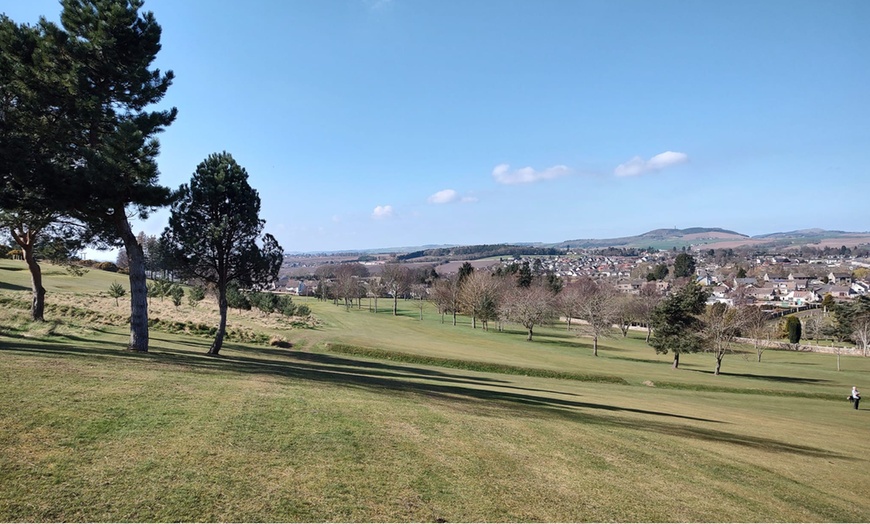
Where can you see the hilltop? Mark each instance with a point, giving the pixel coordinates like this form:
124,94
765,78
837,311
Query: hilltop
660,238
708,237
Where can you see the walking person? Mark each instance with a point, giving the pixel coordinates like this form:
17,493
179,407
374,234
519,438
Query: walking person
855,397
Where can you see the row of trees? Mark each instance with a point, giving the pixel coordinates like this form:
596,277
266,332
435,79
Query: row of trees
513,294
679,323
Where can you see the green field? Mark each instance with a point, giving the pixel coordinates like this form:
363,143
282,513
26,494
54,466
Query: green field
370,417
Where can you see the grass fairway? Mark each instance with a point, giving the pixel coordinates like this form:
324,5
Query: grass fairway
371,417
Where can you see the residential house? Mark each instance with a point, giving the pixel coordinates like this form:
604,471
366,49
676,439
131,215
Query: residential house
705,280
800,298
840,278
719,291
835,291
631,287
743,282
761,293
296,287
662,286
800,279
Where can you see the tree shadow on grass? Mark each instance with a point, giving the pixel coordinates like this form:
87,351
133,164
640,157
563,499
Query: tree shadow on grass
759,443
568,344
774,378
669,362
346,371
13,287
332,360
477,393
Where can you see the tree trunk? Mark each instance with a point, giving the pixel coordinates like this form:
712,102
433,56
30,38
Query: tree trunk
222,326
454,317
718,365
676,360
138,288
473,322
648,332
395,304
595,346
529,338
37,307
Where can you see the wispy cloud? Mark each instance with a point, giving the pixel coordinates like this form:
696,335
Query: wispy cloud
527,175
450,196
445,196
638,166
382,212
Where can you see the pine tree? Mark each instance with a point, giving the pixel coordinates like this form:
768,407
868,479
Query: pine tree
114,46
214,233
675,322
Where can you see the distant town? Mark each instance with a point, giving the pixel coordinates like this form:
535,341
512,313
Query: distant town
791,274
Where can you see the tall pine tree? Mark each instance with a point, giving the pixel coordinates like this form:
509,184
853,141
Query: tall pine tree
113,46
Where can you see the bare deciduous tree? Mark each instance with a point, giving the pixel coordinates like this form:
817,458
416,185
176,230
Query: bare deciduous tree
756,325
445,294
480,298
624,312
374,289
568,303
644,305
347,282
597,308
861,332
420,292
396,280
721,327
528,306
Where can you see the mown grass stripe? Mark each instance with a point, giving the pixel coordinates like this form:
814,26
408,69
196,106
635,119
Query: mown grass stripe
746,391
469,365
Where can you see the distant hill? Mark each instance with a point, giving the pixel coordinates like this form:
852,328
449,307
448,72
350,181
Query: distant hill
712,237
659,238
808,233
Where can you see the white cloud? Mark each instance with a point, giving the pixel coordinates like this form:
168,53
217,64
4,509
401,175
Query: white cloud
638,166
468,199
444,197
527,175
382,212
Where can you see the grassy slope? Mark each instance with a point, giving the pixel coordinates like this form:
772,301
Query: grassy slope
91,432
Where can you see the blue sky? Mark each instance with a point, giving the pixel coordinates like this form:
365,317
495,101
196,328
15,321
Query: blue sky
386,123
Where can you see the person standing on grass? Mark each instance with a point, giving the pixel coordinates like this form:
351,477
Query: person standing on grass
855,397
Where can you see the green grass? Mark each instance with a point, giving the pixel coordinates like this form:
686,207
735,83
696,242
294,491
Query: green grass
371,417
